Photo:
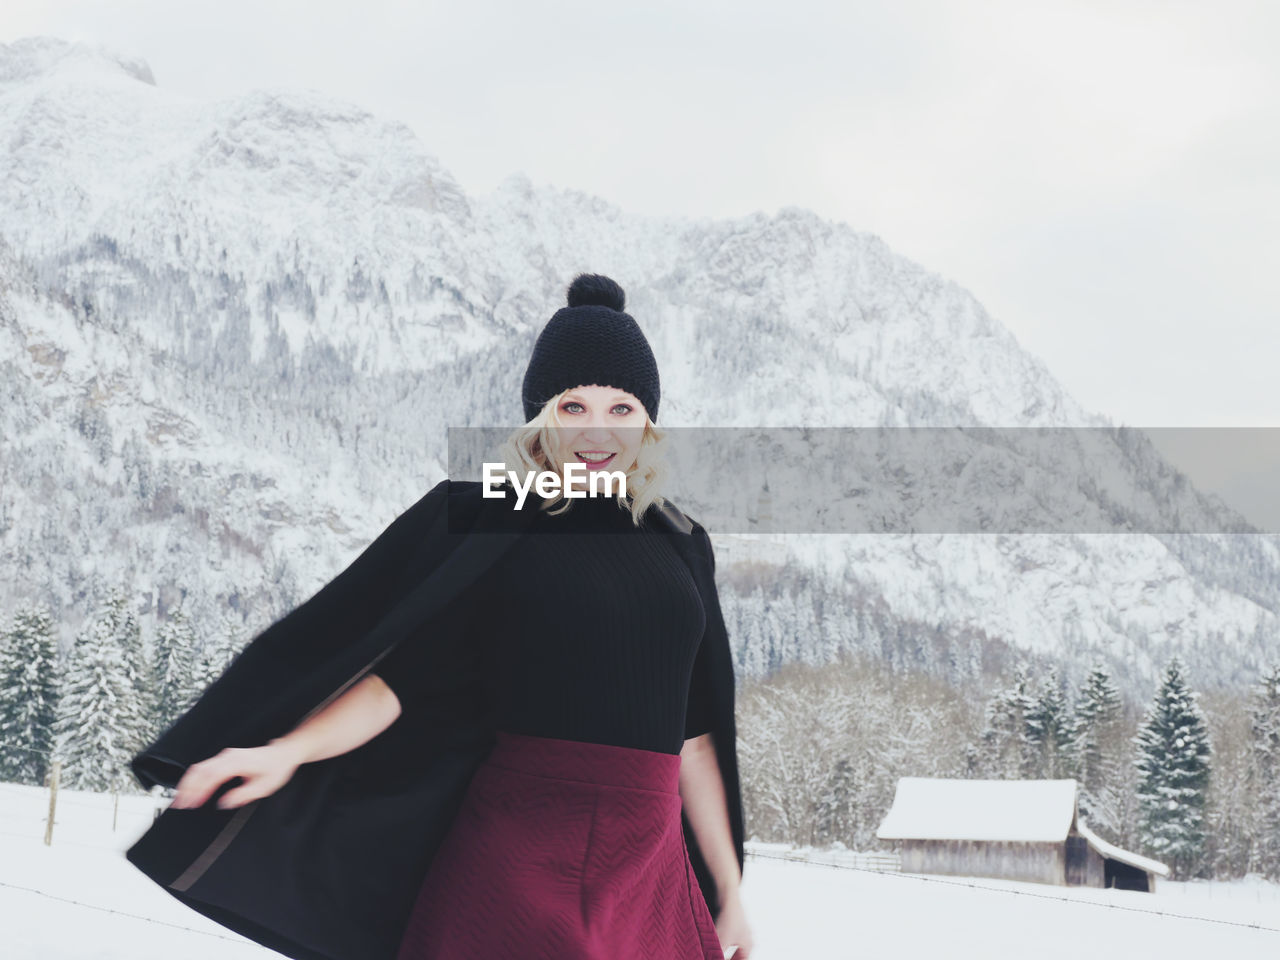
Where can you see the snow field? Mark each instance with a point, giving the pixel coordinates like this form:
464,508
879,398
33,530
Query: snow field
92,904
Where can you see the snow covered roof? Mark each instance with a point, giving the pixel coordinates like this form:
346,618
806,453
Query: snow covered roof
1115,853
1032,811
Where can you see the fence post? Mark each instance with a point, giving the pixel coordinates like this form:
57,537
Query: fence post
54,776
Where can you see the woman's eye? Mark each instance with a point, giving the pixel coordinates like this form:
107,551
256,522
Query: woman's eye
568,406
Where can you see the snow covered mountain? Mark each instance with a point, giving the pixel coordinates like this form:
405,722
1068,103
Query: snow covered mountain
233,333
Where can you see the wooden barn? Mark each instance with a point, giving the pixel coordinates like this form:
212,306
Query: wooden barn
1011,829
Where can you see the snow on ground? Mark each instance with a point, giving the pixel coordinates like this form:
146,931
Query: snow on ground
93,905
82,876
808,908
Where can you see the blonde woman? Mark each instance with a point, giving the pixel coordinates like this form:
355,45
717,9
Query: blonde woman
605,819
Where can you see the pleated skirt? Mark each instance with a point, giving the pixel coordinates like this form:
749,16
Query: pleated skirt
564,850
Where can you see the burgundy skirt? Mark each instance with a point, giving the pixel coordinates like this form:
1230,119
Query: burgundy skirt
567,851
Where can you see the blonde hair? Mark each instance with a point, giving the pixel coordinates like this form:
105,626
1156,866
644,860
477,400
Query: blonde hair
528,449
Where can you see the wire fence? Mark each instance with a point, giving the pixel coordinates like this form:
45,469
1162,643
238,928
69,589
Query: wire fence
131,916
880,871
753,855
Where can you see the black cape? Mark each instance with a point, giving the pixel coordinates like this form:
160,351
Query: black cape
329,866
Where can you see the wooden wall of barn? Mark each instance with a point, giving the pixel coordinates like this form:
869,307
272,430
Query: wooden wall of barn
1085,866
1037,862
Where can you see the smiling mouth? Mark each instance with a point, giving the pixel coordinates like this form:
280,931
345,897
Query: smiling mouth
594,456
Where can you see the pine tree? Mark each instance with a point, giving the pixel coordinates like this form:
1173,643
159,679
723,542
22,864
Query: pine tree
28,695
1264,773
1048,729
1006,750
1173,771
1094,726
101,722
211,659
177,677
124,626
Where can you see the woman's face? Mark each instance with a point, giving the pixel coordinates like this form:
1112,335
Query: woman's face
599,422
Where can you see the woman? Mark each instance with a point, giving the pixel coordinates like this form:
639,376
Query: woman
569,840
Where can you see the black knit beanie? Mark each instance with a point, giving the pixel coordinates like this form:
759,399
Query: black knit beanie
591,341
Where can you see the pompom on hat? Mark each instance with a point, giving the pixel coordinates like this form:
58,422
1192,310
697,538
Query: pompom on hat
591,341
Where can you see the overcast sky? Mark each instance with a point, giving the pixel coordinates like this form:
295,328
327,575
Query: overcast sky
1103,176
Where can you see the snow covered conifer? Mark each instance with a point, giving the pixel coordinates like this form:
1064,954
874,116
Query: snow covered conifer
124,626
177,678
1264,772
1005,747
1048,729
1173,771
28,695
1095,728
100,723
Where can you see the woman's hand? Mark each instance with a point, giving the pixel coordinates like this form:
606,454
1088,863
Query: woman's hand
731,927
265,770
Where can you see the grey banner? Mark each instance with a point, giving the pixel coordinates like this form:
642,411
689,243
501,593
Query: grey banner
940,479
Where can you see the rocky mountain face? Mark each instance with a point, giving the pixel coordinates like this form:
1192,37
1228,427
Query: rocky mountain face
233,335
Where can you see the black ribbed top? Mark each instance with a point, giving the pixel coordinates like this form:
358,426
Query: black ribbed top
595,626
